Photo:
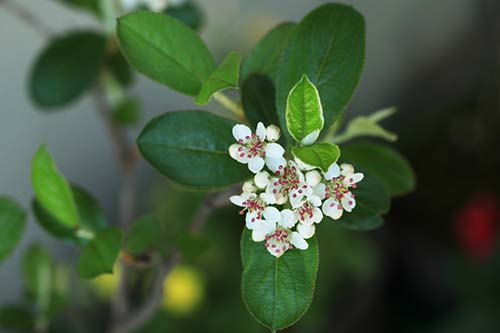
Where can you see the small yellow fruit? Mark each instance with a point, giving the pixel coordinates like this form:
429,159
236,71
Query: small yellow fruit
183,290
105,285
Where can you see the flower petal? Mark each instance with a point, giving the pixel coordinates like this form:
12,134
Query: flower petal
237,200
313,178
249,187
331,207
348,202
314,200
242,132
272,214
274,163
306,231
354,178
320,191
262,179
268,198
288,218
256,164
333,171
298,241
252,219
317,215
261,131
272,133
346,169
274,150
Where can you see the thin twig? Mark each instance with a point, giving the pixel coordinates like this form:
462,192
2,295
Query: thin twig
137,317
27,17
229,104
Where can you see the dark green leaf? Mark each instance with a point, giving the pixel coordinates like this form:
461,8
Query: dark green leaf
266,55
320,155
165,50
191,148
188,13
259,100
92,217
147,233
223,77
304,114
52,190
371,201
278,291
99,255
16,317
390,168
67,68
121,70
328,46
192,246
12,222
127,113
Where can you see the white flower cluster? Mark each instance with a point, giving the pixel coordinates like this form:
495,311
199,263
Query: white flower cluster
303,192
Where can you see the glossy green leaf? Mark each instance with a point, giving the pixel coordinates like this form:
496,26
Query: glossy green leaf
99,255
165,50
38,272
12,222
266,55
127,113
67,68
320,155
304,113
223,77
191,148
91,216
259,100
188,13
387,165
278,291
371,201
52,190
16,317
328,46
367,126
146,233
120,68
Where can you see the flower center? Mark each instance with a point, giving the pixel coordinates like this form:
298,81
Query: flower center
253,205
337,189
306,211
254,147
288,180
279,240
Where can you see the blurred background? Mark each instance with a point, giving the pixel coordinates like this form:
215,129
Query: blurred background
433,267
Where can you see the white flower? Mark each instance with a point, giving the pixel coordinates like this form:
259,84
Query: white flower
308,212
288,183
272,133
313,178
249,187
253,149
284,219
336,190
256,207
262,179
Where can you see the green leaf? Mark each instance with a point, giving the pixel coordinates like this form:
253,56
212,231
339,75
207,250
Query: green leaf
52,190
304,113
320,155
223,77
328,46
188,13
127,113
277,291
91,216
259,100
12,222
67,68
387,165
371,201
16,317
121,70
99,255
38,272
147,233
191,148
367,126
165,50
266,55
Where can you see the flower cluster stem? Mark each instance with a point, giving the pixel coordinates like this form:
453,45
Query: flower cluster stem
229,104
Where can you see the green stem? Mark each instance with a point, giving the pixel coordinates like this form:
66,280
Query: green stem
231,105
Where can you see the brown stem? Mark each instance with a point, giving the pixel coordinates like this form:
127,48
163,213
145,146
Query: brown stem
27,17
